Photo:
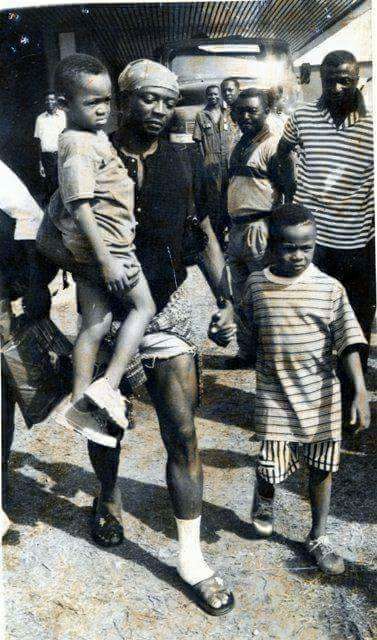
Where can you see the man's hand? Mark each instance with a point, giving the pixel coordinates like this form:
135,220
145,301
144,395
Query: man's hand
119,275
360,412
222,328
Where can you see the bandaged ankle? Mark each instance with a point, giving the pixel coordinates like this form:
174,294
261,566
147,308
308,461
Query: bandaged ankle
191,565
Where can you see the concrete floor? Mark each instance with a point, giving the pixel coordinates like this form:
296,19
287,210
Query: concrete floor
59,586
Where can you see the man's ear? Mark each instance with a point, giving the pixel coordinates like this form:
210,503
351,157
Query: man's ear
62,102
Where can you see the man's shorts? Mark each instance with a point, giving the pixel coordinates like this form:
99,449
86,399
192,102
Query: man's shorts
278,459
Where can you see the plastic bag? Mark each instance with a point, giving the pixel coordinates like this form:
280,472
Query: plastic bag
37,363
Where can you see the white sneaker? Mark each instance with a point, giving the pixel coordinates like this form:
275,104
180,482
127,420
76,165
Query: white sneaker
88,423
109,400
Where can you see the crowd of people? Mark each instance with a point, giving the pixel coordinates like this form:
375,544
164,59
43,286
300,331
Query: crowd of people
289,199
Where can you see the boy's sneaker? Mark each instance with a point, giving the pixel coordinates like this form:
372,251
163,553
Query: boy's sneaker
88,423
262,516
321,550
109,400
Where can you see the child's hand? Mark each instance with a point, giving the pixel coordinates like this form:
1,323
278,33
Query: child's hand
115,275
360,412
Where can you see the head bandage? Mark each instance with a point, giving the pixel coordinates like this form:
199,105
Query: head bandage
147,73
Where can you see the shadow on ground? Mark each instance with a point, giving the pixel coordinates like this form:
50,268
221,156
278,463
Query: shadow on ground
53,507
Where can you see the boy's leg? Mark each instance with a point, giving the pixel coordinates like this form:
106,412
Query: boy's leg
276,461
104,392
96,322
320,483
323,460
131,331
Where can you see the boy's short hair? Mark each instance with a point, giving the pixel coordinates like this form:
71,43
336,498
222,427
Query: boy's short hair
69,69
288,215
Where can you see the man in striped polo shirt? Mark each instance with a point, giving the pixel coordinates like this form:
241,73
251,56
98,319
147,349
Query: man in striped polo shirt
335,180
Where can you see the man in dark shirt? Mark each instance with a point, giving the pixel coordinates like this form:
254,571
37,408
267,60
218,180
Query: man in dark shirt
170,186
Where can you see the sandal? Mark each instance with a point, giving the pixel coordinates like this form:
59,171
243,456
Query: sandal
205,591
106,530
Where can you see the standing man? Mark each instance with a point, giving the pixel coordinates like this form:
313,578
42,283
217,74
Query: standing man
213,135
169,185
253,192
48,126
335,180
230,89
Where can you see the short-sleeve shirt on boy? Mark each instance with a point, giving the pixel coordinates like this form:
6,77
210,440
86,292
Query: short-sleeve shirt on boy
90,169
300,324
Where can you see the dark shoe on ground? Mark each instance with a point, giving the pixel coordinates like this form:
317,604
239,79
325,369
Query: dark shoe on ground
106,528
324,555
233,363
262,516
211,596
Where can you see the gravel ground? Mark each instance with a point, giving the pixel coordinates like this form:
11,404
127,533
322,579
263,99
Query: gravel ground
59,586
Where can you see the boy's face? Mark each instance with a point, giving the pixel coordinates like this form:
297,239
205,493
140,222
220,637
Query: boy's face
89,108
293,252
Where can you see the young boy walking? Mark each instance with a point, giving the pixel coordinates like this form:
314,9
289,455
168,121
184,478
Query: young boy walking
301,322
98,227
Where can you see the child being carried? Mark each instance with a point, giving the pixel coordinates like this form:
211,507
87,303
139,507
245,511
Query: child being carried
98,227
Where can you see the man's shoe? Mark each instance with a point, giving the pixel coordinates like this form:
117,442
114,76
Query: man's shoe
262,516
233,363
109,400
321,550
88,423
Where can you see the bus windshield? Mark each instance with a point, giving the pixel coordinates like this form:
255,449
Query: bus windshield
193,67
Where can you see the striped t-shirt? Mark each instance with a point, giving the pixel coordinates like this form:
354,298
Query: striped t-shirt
299,325
335,174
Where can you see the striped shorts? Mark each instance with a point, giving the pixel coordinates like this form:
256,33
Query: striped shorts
278,459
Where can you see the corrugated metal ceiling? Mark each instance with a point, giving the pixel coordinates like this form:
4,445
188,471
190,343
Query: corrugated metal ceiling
128,31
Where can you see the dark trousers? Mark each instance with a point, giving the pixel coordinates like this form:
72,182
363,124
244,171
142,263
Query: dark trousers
355,269
50,164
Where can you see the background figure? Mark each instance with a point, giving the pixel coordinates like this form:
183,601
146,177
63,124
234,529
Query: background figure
230,89
277,116
48,126
23,273
213,134
253,191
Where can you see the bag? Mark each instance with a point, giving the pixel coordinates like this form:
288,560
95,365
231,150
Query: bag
38,366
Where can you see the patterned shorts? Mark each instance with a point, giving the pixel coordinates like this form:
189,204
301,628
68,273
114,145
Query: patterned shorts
278,459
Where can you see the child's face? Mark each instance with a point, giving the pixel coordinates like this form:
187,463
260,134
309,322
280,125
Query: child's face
89,108
293,252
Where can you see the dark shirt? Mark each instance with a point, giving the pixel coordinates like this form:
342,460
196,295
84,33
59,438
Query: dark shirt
173,189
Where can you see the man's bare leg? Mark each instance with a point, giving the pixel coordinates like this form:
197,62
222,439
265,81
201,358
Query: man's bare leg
107,528
173,387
